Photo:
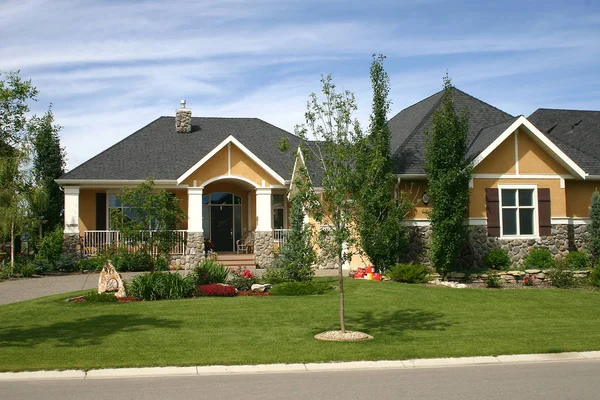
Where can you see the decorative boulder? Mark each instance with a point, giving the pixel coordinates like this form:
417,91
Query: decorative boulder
258,287
110,281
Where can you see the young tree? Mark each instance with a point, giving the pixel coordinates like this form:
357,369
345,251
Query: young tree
148,210
594,228
298,255
448,175
330,124
378,214
48,165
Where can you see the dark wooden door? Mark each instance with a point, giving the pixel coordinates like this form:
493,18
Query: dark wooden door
222,227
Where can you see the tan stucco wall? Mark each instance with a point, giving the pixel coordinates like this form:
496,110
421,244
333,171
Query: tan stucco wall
183,204
414,191
242,165
579,195
87,209
558,206
216,166
534,160
499,161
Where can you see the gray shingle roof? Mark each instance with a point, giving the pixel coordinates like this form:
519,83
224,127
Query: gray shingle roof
575,132
408,129
158,151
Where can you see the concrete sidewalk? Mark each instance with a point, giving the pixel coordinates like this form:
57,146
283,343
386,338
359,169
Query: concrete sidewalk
16,290
300,367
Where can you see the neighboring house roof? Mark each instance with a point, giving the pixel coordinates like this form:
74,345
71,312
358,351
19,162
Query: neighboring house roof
158,151
408,129
575,132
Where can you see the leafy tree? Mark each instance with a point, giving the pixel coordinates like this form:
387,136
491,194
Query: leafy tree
448,175
48,165
15,93
378,214
297,255
594,228
329,122
150,221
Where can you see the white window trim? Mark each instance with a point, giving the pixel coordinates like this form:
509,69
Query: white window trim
536,223
285,210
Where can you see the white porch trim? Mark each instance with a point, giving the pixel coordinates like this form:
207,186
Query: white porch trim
195,209
71,210
263,210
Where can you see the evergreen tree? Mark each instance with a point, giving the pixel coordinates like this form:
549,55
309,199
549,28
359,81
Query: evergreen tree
378,216
48,165
448,175
594,228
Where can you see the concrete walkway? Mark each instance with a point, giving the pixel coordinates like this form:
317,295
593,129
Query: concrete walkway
16,290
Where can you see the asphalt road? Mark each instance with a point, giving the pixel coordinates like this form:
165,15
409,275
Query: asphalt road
557,380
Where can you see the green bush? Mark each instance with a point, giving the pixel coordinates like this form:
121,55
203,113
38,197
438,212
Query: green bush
209,271
497,258
578,261
595,275
43,265
124,260
161,285
561,275
409,273
242,279
538,258
51,246
95,297
93,264
305,288
493,280
27,270
274,276
66,263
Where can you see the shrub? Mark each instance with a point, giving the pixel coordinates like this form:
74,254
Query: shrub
493,280
274,276
497,258
561,275
209,271
161,285
577,261
215,289
93,264
66,263
27,270
242,279
595,275
42,265
124,260
51,246
409,273
94,297
305,288
539,258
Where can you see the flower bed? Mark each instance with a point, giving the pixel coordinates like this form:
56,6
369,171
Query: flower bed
216,289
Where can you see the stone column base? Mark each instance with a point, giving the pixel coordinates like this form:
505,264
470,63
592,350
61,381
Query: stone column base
71,244
263,249
194,251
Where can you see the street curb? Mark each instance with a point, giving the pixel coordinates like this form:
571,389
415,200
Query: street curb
155,372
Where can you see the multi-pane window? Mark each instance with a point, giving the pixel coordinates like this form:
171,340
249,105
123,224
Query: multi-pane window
278,209
128,212
518,211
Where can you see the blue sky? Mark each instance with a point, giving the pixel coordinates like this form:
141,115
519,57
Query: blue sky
111,67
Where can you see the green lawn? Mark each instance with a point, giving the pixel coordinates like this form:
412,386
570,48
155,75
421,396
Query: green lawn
407,321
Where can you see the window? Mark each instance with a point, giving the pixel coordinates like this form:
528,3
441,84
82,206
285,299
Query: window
278,209
518,215
128,212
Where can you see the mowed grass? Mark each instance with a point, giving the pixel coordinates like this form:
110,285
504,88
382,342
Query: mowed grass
407,321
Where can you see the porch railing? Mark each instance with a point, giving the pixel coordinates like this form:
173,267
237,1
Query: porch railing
280,236
98,241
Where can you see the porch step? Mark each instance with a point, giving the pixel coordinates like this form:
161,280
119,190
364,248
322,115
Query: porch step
236,260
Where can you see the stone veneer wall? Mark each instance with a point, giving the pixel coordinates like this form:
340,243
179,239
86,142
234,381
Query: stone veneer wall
71,244
564,238
263,249
194,252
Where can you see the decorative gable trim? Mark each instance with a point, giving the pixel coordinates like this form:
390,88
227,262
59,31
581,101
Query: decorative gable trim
227,142
522,121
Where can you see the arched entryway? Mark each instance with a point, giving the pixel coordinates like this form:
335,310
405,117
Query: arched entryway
222,219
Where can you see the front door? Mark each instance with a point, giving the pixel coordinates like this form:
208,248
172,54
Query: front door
222,227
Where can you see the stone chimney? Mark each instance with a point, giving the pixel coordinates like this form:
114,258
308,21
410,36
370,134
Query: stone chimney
183,119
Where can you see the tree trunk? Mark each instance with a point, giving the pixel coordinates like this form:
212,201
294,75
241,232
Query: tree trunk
12,245
341,283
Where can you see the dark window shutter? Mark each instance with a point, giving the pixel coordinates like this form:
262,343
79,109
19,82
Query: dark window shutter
101,211
492,209
544,211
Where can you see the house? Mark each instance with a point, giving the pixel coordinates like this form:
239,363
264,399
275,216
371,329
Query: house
532,183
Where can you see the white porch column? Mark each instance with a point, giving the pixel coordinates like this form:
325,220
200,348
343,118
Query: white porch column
263,210
195,210
71,210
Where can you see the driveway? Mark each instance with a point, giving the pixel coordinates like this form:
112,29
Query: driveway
25,289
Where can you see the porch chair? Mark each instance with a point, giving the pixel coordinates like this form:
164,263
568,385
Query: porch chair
245,244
